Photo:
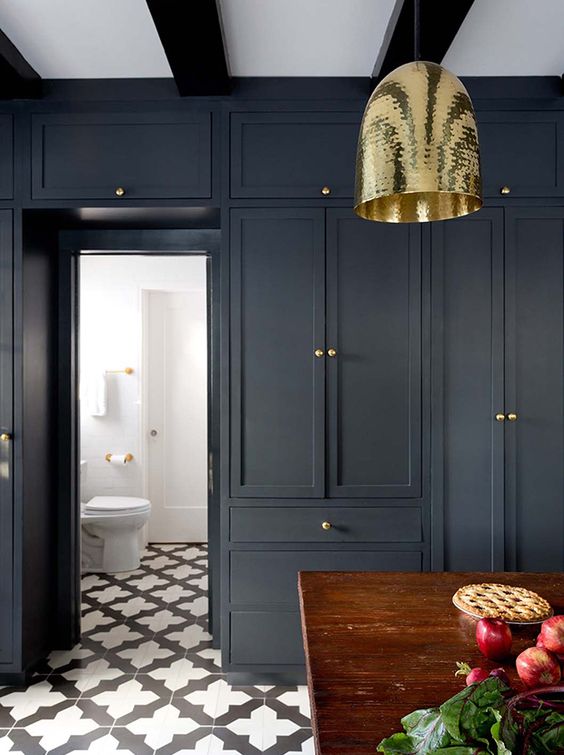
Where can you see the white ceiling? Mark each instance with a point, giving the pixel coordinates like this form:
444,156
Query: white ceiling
117,38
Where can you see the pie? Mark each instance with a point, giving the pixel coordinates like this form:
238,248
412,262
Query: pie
495,601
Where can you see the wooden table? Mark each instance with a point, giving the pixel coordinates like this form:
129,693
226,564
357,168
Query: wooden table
381,644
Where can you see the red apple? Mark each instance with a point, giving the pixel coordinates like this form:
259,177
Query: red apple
539,643
538,667
552,634
494,638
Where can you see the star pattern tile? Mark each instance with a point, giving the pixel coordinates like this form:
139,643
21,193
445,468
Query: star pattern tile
145,679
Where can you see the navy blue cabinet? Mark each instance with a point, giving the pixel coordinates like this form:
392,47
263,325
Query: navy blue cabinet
297,155
522,151
6,157
374,380
498,390
6,444
121,155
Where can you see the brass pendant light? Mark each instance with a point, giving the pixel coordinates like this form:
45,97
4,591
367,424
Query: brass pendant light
418,156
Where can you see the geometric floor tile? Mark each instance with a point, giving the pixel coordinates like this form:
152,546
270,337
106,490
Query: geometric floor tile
145,679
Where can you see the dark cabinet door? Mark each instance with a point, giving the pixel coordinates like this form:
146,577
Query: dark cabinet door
523,151
149,155
6,446
467,392
535,389
374,380
293,154
277,382
6,157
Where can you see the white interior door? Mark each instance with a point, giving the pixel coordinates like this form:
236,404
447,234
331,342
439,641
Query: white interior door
176,416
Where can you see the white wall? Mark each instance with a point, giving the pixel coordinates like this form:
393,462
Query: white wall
111,339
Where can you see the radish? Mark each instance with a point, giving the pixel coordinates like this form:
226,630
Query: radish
538,667
494,638
473,675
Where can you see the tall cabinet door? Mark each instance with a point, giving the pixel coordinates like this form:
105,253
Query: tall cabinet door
277,382
6,426
467,392
374,379
535,388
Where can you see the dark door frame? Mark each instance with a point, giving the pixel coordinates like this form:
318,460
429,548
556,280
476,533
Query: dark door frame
165,242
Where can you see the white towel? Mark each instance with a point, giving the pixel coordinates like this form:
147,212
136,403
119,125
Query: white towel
94,394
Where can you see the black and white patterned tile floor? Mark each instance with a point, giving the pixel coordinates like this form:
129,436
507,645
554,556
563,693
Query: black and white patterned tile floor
144,679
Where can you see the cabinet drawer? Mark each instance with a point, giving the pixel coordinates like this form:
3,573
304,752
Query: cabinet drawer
259,637
6,157
272,576
522,150
293,154
396,524
150,155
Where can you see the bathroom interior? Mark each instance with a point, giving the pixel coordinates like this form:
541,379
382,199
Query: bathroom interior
143,390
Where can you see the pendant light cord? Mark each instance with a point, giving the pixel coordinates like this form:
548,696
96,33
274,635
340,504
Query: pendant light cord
416,30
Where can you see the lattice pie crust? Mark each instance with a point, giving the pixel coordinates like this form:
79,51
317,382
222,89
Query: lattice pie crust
497,601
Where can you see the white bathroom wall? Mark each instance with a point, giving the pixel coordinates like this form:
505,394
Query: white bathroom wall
111,339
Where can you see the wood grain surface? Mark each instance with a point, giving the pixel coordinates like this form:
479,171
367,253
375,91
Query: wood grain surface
379,645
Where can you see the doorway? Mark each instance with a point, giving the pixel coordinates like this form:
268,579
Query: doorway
200,248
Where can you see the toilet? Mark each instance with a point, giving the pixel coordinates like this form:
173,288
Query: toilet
111,532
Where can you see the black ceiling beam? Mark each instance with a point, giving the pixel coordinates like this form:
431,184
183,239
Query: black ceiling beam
18,80
439,22
192,37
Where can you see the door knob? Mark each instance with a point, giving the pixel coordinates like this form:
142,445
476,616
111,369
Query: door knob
154,433
512,417
318,353
500,417
331,352
505,190
326,191
326,525
120,191
5,437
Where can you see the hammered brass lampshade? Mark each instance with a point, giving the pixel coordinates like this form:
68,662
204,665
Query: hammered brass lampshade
418,157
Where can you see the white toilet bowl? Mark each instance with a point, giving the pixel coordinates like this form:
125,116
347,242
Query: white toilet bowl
110,533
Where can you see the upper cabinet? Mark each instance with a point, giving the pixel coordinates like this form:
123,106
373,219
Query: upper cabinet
296,155
121,155
522,153
6,157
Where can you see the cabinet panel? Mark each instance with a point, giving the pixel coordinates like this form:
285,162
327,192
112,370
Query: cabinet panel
293,154
6,157
398,524
467,391
272,576
261,637
6,448
522,150
150,155
277,384
535,388
374,382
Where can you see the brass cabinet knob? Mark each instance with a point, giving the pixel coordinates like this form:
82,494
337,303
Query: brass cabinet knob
326,191
326,525
5,437
331,352
505,190
500,417
319,353
120,191
512,417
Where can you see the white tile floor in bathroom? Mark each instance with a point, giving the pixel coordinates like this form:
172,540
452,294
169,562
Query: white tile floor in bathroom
145,680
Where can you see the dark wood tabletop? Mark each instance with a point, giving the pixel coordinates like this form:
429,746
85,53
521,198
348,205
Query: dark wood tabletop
381,644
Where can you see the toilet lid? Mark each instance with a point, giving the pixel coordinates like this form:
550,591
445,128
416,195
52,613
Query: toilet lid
116,503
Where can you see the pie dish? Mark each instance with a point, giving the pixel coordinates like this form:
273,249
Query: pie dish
515,605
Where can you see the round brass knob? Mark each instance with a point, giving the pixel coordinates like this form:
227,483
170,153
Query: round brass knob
326,525
500,417
326,191
120,191
5,437
331,352
505,190
318,353
512,417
